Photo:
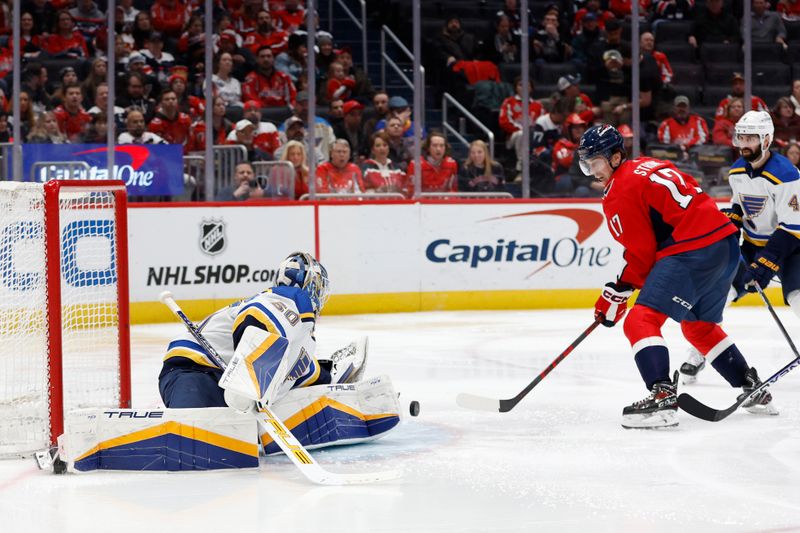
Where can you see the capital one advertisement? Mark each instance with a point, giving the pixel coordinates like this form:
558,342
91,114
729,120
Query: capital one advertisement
516,247
467,247
146,169
379,251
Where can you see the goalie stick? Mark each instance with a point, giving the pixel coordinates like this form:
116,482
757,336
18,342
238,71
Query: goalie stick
695,408
482,403
276,429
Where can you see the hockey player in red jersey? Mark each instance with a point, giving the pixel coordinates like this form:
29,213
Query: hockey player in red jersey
681,253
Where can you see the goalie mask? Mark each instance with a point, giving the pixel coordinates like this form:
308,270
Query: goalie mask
301,270
754,123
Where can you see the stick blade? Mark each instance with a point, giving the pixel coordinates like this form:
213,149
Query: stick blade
330,478
478,403
699,410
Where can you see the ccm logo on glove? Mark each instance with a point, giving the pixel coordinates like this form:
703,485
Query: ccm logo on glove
612,304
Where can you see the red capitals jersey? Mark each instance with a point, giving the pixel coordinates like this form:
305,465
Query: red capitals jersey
274,91
340,88
73,46
694,131
563,154
511,113
71,125
331,179
169,20
266,138
290,21
664,68
756,104
621,8
654,210
197,137
436,179
277,40
384,178
174,131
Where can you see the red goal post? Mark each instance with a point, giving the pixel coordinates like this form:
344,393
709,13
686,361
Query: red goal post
64,324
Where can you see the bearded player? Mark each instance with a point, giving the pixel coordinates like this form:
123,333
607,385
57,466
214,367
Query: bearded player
765,206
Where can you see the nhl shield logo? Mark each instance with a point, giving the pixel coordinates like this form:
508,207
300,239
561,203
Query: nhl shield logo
212,236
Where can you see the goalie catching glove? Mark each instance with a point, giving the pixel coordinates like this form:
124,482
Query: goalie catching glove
612,304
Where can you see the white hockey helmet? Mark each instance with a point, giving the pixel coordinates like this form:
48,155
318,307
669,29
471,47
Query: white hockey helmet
301,270
755,123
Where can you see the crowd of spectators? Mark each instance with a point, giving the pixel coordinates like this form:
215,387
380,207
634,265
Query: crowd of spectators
690,78
362,138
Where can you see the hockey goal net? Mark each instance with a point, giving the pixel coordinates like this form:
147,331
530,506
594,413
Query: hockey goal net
64,331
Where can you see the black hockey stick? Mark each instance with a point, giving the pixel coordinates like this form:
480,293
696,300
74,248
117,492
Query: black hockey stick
482,403
692,406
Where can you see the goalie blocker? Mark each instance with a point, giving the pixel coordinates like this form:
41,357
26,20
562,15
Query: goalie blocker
218,437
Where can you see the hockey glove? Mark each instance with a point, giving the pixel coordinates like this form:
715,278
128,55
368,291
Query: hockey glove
764,266
734,214
613,303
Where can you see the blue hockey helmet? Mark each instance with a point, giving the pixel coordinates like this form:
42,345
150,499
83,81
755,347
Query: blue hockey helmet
301,270
603,140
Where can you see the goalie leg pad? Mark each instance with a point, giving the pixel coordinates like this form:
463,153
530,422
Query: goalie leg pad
327,415
158,439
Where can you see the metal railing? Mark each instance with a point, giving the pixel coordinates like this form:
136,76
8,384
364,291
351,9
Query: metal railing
487,194
194,168
361,25
276,178
419,114
43,171
5,157
357,196
448,98
226,157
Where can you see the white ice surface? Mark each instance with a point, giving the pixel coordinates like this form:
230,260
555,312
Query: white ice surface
558,462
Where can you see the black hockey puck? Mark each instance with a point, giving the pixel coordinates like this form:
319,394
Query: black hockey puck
413,408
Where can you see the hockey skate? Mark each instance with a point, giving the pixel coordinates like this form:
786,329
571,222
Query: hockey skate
347,364
695,362
761,403
658,410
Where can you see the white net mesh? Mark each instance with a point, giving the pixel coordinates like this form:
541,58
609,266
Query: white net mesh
89,312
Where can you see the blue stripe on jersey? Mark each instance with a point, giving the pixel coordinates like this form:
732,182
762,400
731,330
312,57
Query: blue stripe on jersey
182,343
264,310
790,226
186,350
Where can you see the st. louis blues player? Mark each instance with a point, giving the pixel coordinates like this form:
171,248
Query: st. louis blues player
681,253
267,342
766,207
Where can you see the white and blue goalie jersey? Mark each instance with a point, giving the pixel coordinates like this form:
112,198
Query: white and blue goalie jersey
769,198
283,311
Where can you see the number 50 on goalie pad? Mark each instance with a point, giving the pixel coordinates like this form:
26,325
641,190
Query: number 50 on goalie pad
160,439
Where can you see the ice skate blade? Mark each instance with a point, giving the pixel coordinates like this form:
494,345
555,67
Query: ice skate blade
658,420
763,410
686,379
